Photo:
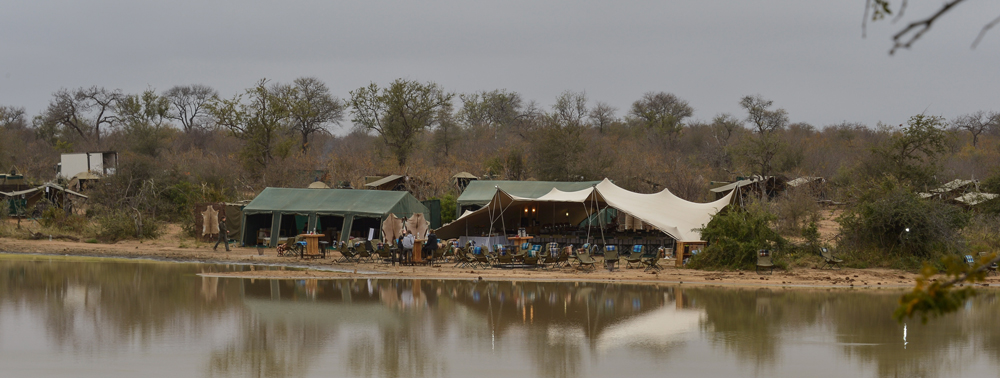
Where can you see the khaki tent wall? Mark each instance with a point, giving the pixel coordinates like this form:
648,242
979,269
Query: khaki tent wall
234,220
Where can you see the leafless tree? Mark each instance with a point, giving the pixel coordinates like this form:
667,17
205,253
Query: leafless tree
977,123
12,117
82,111
188,104
570,109
602,115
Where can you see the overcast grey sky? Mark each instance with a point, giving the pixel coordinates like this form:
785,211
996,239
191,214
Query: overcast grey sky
807,56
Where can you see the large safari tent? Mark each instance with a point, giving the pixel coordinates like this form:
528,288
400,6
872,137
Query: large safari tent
278,213
579,216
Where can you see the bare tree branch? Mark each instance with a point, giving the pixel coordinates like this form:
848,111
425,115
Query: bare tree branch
984,30
918,28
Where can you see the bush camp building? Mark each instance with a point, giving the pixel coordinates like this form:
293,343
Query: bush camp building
278,213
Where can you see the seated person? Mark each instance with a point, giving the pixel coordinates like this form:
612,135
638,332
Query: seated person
284,248
431,245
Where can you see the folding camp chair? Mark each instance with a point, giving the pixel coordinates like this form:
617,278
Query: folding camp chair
481,257
610,257
651,261
531,258
764,261
585,260
829,260
347,253
503,256
383,254
635,258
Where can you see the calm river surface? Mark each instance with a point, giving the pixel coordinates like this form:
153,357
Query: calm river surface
63,317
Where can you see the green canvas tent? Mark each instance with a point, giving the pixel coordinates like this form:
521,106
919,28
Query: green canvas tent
288,211
480,192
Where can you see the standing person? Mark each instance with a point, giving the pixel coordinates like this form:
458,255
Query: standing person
223,234
408,245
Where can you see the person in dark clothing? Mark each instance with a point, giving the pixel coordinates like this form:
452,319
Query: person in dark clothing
223,235
431,245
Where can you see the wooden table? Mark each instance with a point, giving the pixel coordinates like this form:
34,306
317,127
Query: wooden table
418,246
518,240
312,245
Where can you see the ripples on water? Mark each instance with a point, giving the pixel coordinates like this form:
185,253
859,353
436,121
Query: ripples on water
86,317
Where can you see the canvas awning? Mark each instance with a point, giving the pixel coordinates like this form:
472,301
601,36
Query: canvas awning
480,192
677,217
29,192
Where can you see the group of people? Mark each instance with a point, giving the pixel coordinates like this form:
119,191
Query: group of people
406,241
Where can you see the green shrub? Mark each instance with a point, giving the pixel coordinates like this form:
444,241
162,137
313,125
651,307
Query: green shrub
57,218
118,225
735,235
889,220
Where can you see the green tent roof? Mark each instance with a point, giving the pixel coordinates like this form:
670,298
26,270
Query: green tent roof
373,203
480,192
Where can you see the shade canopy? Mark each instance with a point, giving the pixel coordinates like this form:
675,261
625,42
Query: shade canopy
677,217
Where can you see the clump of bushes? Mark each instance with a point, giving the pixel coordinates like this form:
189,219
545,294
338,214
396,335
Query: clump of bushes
117,225
735,235
54,217
889,225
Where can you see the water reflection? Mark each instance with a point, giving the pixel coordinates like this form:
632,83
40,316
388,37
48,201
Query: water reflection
157,313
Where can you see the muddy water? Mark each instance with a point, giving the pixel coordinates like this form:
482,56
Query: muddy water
98,318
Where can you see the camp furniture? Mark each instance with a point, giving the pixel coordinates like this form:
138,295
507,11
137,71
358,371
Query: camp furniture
347,253
634,259
610,256
764,261
585,260
651,261
829,260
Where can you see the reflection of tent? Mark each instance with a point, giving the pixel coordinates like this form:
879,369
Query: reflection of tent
290,210
660,327
664,211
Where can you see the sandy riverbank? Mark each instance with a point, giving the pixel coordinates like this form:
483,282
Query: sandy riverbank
165,249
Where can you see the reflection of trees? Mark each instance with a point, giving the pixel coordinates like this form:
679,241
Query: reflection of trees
93,307
396,327
266,348
752,323
869,334
749,322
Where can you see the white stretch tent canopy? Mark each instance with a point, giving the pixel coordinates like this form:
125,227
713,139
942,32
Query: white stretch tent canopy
677,217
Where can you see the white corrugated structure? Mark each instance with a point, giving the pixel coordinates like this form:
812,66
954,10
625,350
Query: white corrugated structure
677,217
